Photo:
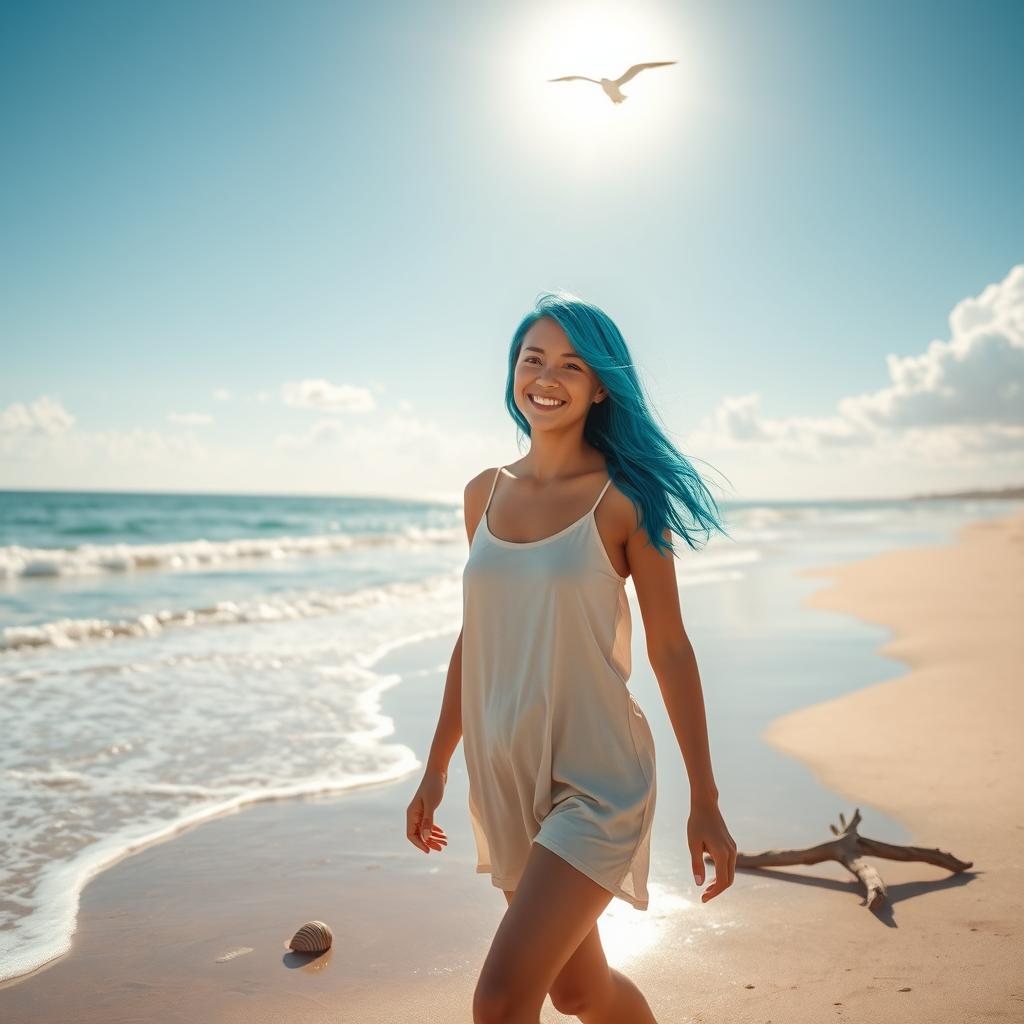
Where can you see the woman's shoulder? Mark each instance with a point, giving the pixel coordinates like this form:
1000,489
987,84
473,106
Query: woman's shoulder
474,498
481,482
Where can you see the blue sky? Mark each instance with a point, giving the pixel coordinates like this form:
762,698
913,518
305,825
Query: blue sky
267,247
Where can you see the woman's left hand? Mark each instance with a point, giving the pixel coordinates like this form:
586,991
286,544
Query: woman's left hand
706,830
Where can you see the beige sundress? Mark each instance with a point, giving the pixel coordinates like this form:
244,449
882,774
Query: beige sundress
557,749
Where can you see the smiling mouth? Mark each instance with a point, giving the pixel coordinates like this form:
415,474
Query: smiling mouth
545,403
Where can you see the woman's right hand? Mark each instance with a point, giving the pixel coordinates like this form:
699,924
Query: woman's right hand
420,829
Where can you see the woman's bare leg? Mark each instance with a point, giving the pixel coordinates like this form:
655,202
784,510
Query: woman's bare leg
554,910
588,988
554,907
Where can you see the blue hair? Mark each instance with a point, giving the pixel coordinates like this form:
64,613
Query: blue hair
642,462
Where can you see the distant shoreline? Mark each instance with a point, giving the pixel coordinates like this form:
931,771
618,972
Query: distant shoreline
1005,492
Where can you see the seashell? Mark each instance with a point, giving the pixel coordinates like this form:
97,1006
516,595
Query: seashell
312,937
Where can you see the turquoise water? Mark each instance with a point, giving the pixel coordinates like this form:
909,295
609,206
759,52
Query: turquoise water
164,658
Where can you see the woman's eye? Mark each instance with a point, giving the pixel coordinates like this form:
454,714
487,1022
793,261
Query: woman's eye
534,359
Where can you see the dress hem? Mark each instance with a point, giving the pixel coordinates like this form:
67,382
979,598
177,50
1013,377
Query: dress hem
496,880
633,901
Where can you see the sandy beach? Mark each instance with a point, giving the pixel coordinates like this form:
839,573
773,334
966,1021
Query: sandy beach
193,928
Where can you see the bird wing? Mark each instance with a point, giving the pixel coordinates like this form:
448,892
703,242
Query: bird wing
570,78
637,68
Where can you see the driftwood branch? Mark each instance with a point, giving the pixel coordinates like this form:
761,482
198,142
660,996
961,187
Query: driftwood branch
849,849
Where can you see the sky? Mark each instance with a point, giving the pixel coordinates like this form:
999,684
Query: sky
282,248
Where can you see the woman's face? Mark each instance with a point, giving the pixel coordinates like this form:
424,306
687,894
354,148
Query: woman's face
548,368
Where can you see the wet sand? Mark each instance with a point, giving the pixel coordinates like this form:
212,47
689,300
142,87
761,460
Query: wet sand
193,928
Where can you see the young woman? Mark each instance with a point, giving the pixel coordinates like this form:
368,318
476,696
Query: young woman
559,755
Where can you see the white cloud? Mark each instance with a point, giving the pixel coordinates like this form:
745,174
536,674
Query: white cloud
318,434
738,423
221,394
192,419
142,445
327,397
959,397
45,416
400,454
109,457
400,442
42,432
976,377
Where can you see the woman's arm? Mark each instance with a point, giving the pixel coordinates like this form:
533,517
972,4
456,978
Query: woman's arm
675,665
449,723
679,680
421,830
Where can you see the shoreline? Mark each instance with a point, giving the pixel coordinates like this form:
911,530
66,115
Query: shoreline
790,945
71,878
937,746
927,717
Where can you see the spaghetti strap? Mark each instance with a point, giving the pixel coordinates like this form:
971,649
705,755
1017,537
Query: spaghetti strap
607,484
494,483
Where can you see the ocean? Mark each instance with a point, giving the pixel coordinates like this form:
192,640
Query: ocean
167,657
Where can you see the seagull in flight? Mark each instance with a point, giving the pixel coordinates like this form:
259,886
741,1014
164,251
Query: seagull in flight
610,86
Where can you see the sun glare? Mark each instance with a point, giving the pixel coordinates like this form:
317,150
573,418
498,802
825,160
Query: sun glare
576,121
628,934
